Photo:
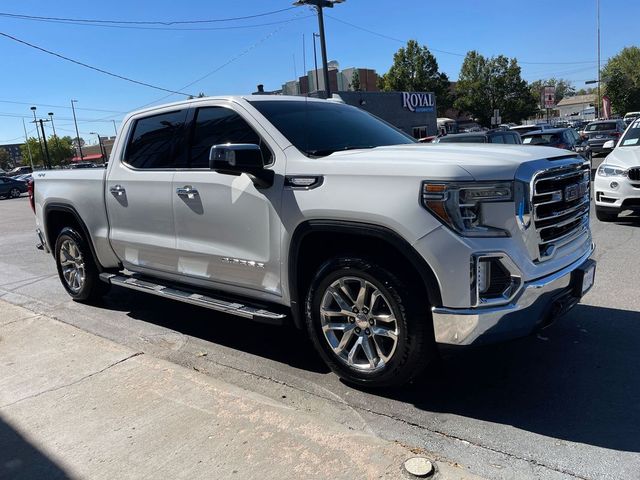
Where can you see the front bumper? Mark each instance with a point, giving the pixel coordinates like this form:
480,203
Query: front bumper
538,304
625,194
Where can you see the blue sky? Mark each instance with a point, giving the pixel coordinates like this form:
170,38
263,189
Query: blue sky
548,34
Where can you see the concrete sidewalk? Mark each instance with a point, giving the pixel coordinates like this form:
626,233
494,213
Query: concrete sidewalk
74,405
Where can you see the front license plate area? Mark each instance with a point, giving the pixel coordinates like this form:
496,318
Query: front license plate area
584,278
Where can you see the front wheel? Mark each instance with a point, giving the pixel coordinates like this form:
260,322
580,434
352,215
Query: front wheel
14,193
76,268
370,326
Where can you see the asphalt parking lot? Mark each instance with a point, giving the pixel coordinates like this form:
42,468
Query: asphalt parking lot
562,404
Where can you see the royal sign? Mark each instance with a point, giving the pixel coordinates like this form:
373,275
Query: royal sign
418,102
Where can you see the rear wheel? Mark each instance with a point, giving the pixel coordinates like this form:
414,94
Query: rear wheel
370,326
76,267
14,193
606,215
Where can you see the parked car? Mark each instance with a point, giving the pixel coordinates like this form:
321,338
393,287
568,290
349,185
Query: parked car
522,129
83,165
19,171
12,188
565,138
630,117
601,131
24,178
492,136
304,210
617,182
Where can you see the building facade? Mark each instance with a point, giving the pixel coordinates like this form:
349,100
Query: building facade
14,152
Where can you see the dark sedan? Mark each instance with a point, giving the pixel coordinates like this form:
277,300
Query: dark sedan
565,138
492,136
11,188
600,132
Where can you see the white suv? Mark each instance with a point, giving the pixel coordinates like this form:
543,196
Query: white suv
617,183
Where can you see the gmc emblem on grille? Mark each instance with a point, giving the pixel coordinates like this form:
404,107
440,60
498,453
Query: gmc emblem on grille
574,191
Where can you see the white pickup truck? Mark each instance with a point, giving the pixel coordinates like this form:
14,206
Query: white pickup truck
311,211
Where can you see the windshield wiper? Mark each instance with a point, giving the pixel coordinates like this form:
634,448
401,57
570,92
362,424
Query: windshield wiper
329,151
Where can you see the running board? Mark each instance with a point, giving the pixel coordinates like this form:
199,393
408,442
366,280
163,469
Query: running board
217,304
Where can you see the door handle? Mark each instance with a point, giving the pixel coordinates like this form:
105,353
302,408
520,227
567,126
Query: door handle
117,190
187,191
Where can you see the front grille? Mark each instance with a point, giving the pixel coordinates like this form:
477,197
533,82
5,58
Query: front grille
634,173
560,206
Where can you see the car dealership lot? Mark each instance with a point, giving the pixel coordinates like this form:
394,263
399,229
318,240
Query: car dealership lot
561,404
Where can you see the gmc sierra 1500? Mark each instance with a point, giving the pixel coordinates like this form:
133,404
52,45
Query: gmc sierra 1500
286,208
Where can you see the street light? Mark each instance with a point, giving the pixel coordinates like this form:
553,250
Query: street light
320,4
103,152
35,122
77,133
55,135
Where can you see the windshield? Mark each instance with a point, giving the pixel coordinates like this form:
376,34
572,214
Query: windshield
320,128
598,127
632,136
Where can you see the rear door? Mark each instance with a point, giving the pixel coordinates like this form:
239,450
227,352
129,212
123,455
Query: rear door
227,230
139,192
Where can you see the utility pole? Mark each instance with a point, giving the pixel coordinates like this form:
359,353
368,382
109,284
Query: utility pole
115,129
320,4
46,149
315,59
35,122
598,24
103,151
55,135
26,140
77,133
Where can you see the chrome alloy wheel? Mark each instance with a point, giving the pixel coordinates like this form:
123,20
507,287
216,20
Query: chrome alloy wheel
73,267
14,193
359,324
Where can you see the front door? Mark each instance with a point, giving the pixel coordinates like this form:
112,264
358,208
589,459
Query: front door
227,230
139,195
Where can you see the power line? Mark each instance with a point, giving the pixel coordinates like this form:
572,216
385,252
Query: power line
133,27
121,77
457,54
60,106
142,22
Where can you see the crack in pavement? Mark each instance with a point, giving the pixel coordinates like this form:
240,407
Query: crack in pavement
60,387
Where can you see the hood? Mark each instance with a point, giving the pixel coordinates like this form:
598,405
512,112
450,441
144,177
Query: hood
453,161
624,157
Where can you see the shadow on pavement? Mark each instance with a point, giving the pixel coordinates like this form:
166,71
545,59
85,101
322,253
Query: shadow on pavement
20,460
285,345
578,380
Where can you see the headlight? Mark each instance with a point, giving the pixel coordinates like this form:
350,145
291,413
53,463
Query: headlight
459,205
611,171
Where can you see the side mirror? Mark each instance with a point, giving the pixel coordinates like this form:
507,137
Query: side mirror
609,144
238,158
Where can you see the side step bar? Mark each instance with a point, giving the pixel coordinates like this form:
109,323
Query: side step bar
217,304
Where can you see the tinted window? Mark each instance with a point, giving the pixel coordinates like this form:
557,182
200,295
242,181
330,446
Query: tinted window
598,127
463,139
541,139
496,139
319,128
510,138
632,137
155,142
217,126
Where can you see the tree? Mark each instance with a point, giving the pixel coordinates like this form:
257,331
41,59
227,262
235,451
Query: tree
487,84
586,91
61,150
355,81
415,69
621,76
5,160
564,88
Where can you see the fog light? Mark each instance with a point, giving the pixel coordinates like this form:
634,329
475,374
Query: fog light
613,185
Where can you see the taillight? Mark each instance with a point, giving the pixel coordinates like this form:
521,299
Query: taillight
561,145
31,190
615,134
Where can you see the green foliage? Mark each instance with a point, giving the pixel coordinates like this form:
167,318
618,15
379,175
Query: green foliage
415,69
564,88
621,76
586,91
60,150
486,84
355,81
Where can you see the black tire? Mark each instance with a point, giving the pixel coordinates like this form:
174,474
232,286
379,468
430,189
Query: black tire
415,345
92,288
14,193
606,215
